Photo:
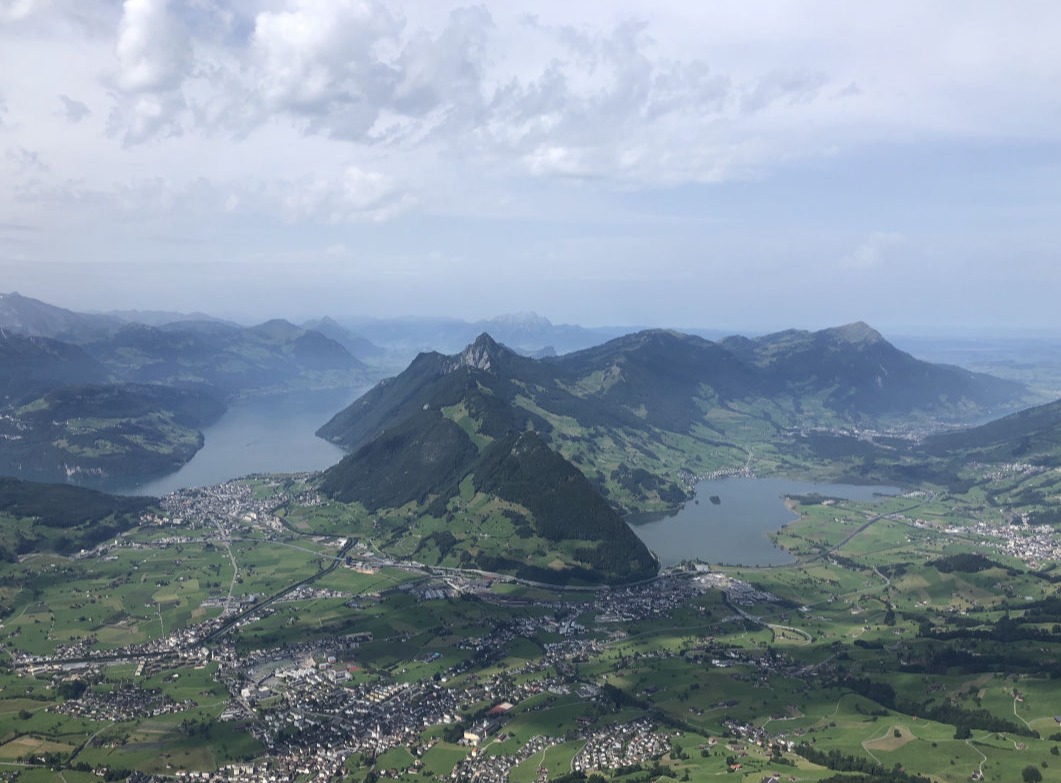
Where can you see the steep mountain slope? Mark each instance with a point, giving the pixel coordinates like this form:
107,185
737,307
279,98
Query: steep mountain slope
511,504
34,365
32,317
556,446
642,413
1032,435
59,518
482,373
656,377
360,348
91,433
861,376
522,469
228,359
52,390
60,419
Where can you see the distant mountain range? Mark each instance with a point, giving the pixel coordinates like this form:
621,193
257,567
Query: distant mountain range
34,318
526,333
89,397
488,456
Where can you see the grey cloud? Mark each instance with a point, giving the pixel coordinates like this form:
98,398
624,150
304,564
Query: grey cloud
448,70
351,72
73,110
323,62
26,161
576,102
602,111
789,87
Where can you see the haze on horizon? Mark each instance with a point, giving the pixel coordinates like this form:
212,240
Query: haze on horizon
748,165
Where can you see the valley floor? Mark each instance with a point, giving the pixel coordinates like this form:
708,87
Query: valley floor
234,638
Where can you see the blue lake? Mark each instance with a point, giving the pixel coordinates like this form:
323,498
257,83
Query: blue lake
268,434
735,530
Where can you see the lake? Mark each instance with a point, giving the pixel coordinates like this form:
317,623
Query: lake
268,434
734,531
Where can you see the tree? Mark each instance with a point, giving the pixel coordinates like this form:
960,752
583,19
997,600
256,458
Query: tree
1031,774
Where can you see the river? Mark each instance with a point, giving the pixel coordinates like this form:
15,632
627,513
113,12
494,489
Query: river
735,530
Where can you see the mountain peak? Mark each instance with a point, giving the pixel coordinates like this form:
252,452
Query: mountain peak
524,320
277,328
857,332
483,354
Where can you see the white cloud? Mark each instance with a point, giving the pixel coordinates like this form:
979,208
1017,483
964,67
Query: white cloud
322,60
154,53
153,49
873,251
18,10
352,196
141,118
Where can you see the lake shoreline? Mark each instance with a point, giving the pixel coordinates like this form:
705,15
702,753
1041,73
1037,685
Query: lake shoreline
738,529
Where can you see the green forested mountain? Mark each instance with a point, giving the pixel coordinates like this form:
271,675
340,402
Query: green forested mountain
634,419
858,374
1032,435
92,433
87,397
35,365
32,317
225,359
60,518
638,413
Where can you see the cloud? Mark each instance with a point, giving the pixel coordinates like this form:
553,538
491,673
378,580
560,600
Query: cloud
154,53
354,195
74,111
873,251
611,98
324,60
26,161
153,48
140,118
447,71
352,70
18,10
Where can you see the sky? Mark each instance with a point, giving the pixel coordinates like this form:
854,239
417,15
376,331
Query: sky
747,165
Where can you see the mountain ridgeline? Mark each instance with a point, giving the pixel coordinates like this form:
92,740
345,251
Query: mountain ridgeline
571,442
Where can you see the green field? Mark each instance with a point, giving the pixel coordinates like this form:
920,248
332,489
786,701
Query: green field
901,636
